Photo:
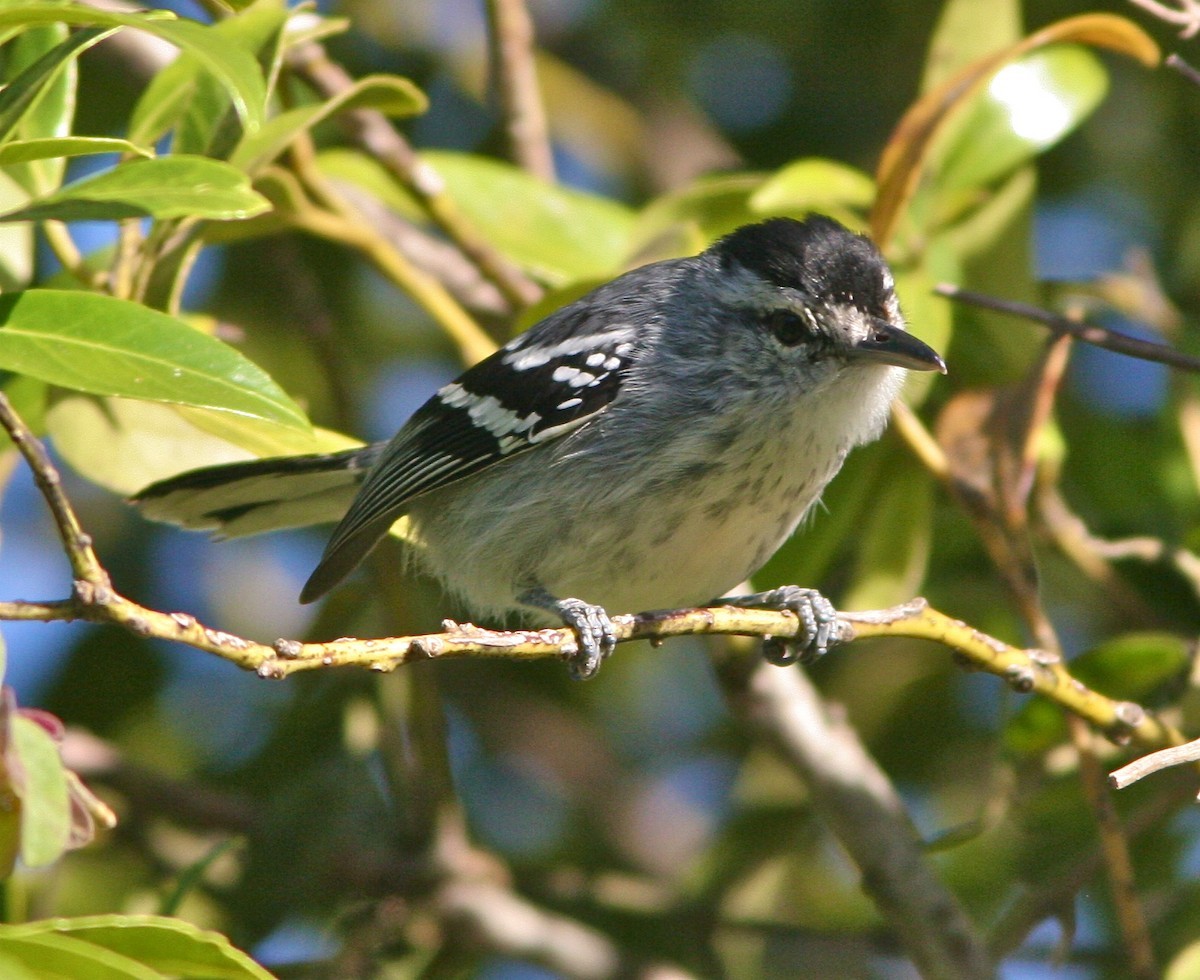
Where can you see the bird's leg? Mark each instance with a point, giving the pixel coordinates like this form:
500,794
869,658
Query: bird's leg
596,637
819,626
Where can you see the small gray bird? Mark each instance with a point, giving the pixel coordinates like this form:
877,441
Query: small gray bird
648,446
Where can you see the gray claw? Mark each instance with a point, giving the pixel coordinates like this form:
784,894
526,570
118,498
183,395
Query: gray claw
819,627
597,637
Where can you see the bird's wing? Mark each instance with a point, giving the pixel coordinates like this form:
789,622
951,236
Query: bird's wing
539,387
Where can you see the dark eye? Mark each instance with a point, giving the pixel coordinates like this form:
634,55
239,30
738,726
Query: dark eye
787,327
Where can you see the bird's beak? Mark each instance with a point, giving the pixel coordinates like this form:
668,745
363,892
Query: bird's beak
888,344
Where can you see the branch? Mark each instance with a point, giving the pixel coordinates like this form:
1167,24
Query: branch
1089,333
1186,17
1176,755
515,76
95,600
861,806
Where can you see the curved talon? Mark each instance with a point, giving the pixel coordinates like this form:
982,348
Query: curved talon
819,626
597,636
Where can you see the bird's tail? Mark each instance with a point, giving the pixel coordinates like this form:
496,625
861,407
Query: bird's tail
260,495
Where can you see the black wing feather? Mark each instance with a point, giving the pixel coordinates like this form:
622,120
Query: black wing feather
539,387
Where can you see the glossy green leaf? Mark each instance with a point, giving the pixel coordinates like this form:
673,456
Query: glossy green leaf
168,947
813,184
125,445
166,187
20,94
1135,665
20,151
554,233
52,112
16,240
394,96
967,30
232,66
1027,107
45,805
186,96
108,346
58,957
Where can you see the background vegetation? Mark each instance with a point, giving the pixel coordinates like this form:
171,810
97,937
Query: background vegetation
219,226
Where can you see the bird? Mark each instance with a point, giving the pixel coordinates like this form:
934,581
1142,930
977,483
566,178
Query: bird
647,446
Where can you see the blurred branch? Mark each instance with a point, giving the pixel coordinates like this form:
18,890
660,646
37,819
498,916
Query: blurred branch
1094,555
334,218
372,131
1185,16
1089,333
1181,66
861,806
514,72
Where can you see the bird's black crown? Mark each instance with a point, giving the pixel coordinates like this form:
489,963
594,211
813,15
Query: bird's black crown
818,256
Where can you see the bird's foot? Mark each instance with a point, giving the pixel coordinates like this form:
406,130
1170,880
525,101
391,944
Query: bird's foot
596,637
819,625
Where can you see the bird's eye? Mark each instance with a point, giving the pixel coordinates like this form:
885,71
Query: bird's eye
787,327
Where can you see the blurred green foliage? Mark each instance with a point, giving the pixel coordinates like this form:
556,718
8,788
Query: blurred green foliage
264,251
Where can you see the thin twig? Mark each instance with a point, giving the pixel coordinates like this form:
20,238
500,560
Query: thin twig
85,566
1181,66
1089,333
1186,17
1176,755
514,71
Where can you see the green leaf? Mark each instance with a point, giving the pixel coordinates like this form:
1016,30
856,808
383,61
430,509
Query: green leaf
45,804
53,956
125,445
1133,666
713,206
16,241
109,346
394,96
188,97
166,187
21,151
894,540
231,65
169,947
1027,107
51,114
18,97
554,233
967,30
813,184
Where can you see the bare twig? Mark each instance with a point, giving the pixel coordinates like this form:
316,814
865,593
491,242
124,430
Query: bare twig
1176,755
1186,16
1181,66
1089,333
514,72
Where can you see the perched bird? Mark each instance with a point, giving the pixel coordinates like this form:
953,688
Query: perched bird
647,446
